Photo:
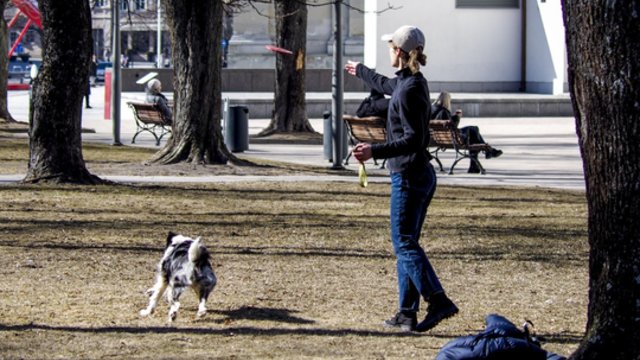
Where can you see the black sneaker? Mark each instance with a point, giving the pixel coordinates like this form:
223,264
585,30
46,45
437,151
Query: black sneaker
437,312
402,321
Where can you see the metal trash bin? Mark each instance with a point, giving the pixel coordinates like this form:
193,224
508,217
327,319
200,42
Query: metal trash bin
236,128
327,138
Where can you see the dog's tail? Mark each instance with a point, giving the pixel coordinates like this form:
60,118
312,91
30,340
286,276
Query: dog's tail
195,250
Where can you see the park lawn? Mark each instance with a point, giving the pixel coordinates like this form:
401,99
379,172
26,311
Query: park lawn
305,270
107,160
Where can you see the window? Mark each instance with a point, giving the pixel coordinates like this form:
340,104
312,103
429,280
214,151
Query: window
139,4
101,3
478,4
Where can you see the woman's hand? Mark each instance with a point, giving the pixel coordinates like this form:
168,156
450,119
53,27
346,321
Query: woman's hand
351,67
362,152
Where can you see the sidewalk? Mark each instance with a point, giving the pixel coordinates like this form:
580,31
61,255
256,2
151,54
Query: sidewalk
537,151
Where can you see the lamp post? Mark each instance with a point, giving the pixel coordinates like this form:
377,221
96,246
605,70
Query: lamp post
337,89
159,36
115,79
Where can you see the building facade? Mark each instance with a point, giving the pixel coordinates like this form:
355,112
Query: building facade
253,28
472,45
478,45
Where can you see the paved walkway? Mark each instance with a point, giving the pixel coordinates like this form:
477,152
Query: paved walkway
537,151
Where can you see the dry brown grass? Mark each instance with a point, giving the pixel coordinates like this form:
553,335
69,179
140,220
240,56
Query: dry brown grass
305,270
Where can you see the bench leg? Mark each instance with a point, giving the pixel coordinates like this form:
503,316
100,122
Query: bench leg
454,165
165,131
346,160
472,160
133,141
150,130
439,163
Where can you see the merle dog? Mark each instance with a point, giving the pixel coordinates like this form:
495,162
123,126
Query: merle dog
185,263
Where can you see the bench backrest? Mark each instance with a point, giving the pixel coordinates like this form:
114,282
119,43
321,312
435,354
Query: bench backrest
444,134
372,129
148,113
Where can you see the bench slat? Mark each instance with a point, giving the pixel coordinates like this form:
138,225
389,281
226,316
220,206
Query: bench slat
371,130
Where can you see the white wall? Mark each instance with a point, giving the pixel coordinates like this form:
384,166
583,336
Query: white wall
475,49
462,44
546,55
371,38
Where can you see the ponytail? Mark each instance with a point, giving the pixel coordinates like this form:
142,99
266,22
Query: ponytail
416,58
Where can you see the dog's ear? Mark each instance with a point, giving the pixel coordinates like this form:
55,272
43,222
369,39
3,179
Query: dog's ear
170,237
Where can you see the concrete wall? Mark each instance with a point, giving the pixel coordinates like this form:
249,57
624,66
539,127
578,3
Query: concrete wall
244,80
471,107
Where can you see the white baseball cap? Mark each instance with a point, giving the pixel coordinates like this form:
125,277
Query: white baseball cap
406,38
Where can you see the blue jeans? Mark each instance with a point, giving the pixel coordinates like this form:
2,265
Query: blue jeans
411,193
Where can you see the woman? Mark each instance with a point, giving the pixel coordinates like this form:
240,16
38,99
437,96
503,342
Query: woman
154,96
441,110
413,180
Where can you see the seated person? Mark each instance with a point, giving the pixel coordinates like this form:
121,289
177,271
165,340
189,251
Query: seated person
374,105
154,96
441,110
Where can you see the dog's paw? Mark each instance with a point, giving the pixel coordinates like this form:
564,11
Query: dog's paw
172,316
145,312
201,313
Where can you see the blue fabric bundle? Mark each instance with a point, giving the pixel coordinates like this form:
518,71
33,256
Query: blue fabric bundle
501,340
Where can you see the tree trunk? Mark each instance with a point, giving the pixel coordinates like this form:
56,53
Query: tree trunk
290,113
603,43
196,29
55,146
4,67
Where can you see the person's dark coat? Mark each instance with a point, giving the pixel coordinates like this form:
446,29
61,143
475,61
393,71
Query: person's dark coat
163,104
376,104
439,112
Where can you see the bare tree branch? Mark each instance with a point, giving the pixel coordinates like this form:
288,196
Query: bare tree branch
315,3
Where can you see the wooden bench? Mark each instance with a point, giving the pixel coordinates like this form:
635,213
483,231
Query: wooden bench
149,118
372,130
446,135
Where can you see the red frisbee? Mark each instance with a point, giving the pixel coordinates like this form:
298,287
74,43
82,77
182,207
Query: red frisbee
279,49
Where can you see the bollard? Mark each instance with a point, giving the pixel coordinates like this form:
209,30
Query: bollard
107,94
327,138
236,128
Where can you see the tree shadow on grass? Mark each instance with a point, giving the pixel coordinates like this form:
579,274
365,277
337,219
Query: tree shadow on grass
516,252
261,314
564,337
556,338
225,331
